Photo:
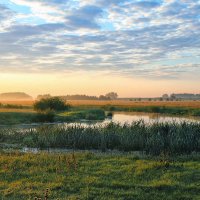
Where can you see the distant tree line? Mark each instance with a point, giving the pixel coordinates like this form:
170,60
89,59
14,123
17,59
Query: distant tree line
181,96
108,96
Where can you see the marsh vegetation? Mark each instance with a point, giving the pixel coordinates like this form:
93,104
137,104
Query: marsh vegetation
155,139
140,160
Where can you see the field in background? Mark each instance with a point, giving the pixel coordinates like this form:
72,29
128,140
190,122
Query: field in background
187,104
14,110
23,103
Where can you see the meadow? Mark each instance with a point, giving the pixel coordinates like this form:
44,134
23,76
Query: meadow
82,176
21,112
155,161
125,103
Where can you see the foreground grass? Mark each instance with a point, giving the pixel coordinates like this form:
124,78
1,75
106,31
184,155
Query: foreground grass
95,176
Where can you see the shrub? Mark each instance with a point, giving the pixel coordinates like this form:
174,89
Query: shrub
95,114
52,103
47,116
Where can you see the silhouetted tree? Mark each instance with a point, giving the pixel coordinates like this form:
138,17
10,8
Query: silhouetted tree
102,97
52,103
112,95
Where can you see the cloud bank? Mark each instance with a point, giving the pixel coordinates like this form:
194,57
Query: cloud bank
141,38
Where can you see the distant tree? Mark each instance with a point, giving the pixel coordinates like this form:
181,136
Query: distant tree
165,96
112,95
43,96
102,97
79,97
173,97
52,103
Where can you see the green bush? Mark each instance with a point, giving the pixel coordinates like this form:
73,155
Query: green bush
94,114
48,116
52,103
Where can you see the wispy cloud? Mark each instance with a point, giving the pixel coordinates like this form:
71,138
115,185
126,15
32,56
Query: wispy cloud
151,39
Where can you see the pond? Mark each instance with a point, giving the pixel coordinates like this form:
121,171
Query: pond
120,117
129,117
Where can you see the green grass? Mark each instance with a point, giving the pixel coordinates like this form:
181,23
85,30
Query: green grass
156,109
89,114
99,177
182,111
13,106
11,118
156,138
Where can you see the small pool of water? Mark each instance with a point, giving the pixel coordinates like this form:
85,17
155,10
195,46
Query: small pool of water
118,117
129,117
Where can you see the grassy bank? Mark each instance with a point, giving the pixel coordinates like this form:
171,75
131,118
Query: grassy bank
172,108
154,139
156,109
9,117
89,114
167,107
92,176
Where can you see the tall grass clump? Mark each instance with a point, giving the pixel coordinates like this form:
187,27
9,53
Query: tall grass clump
154,138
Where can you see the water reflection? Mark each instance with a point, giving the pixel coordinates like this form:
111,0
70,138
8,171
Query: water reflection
150,118
120,117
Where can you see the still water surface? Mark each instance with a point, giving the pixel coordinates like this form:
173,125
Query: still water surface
121,117
129,117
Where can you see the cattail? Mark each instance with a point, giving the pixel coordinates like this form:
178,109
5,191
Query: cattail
68,163
46,194
74,161
59,165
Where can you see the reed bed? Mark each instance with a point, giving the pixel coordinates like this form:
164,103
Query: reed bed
154,139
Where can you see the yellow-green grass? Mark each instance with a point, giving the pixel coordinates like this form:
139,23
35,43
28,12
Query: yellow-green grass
27,116
18,102
98,176
23,110
187,104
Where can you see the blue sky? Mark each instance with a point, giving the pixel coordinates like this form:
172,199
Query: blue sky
148,39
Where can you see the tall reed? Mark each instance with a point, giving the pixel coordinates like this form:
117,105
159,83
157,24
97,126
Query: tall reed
153,138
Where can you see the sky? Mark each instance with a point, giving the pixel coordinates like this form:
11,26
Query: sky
133,47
